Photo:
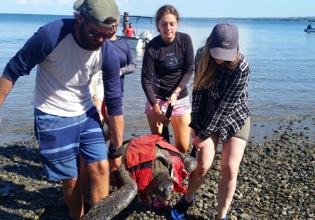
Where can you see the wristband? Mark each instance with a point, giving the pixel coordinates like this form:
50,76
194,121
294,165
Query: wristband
176,93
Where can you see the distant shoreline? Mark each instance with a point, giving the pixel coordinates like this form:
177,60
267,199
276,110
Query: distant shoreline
301,19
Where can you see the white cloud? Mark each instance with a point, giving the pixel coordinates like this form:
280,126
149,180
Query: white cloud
42,2
66,2
121,2
20,2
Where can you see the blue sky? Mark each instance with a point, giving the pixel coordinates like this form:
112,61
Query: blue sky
186,8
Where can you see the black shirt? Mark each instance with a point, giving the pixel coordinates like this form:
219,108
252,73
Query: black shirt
167,66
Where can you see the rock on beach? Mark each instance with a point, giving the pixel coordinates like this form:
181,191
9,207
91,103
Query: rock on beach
276,180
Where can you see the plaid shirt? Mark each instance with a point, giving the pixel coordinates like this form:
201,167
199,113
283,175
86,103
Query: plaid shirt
222,108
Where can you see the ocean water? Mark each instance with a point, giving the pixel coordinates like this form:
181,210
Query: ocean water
280,54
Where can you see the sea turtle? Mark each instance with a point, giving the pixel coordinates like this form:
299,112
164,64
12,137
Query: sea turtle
150,165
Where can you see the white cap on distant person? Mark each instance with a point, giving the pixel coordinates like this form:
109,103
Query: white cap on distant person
224,41
97,10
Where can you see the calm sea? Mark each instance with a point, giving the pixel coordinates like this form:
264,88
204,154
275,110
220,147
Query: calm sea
280,54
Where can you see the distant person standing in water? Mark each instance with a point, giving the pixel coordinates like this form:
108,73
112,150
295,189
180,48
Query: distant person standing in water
168,65
129,31
219,112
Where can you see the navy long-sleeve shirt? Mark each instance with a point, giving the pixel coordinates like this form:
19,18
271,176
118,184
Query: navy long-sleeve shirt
65,69
167,66
126,58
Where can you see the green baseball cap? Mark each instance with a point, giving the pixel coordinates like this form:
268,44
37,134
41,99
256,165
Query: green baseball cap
97,10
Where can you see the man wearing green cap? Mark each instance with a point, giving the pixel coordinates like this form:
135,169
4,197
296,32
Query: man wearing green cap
68,52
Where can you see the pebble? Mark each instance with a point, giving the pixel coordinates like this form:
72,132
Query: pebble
276,181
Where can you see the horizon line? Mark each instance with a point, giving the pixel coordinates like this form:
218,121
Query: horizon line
261,17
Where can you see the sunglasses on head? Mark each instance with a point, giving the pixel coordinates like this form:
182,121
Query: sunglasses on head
97,34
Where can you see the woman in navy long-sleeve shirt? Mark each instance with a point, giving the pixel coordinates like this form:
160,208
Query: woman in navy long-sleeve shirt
168,65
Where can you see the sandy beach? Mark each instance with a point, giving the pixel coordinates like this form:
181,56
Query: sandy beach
276,179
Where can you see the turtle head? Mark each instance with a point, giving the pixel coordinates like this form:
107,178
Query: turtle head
162,186
161,183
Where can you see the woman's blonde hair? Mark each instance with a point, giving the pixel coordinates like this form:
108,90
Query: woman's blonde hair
207,68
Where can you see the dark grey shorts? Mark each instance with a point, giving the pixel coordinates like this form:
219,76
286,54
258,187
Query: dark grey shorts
244,132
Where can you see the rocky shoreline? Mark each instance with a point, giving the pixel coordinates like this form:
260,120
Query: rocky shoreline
276,180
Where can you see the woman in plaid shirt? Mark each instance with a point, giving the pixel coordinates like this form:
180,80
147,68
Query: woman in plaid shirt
219,111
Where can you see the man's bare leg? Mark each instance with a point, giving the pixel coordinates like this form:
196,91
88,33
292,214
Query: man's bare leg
99,174
84,178
73,197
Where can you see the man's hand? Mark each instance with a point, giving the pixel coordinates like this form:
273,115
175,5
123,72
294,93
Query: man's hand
115,156
115,163
101,118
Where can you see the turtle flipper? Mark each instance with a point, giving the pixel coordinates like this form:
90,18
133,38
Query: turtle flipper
189,162
114,203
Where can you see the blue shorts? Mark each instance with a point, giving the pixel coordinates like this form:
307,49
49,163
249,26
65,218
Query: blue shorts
62,138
